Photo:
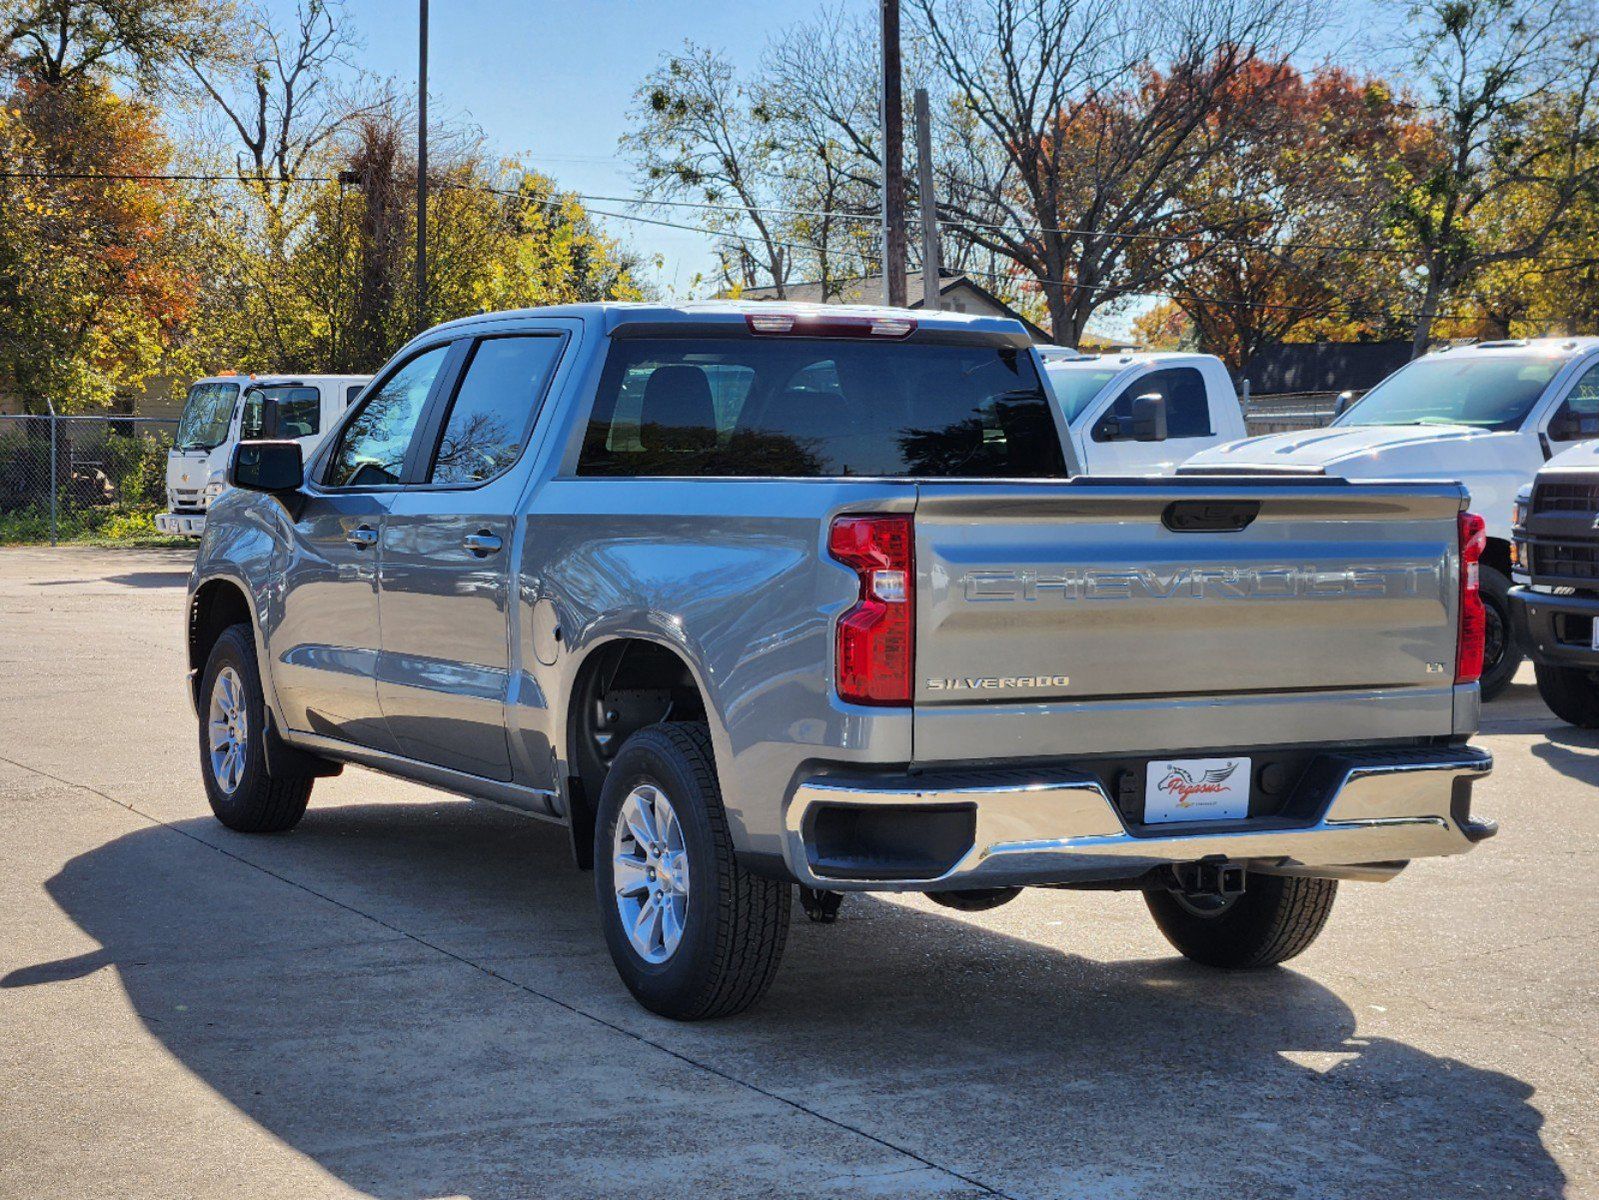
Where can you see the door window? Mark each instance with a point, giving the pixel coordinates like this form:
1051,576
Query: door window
299,412
1578,416
372,448
494,407
1187,409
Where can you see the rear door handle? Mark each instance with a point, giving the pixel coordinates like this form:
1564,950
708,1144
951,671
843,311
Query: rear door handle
482,543
362,536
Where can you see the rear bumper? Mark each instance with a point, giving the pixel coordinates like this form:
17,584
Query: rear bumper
1375,811
1555,629
180,524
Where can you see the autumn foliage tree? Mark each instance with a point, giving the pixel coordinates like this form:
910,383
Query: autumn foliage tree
1285,235
90,285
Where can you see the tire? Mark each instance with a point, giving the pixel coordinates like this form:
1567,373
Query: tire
732,924
1571,693
257,802
1274,919
1503,651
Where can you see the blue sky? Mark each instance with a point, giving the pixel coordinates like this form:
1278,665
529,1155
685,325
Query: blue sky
552,83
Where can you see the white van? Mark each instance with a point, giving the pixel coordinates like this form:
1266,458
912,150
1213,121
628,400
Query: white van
222,409
1099,392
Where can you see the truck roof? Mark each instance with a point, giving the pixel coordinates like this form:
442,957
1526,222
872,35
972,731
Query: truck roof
1560,347
610,314
250,380
1064,358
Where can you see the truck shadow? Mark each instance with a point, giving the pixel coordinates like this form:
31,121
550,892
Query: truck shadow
1571,751
406,1064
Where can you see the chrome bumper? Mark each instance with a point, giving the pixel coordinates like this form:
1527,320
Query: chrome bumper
180,524
1382,809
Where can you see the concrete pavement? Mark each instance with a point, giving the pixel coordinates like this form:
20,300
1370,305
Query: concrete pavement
409,997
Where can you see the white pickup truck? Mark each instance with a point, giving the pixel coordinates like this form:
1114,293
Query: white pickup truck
214,419
1142,413
1487,415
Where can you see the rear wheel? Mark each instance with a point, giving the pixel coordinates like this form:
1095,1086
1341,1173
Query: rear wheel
1275,918
1501,652
232,744
1571,693
692,934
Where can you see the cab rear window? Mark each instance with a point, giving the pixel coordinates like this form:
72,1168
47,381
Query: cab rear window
811,407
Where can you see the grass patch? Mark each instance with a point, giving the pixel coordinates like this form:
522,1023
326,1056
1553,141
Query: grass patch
103,525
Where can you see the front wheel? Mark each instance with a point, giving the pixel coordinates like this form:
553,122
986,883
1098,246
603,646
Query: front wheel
693,935
1276,918
1571,693
1501,651
232,744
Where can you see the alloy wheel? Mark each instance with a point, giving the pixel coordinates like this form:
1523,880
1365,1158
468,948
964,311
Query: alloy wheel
651,874
230,730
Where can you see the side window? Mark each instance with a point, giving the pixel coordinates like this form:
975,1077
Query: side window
372,447
299,412
351,392
494,408
1187,411
1577,417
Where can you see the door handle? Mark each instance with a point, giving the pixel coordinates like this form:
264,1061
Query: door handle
482,543
362,536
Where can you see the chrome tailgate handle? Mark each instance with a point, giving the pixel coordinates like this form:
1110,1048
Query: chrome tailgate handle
482,543
362,536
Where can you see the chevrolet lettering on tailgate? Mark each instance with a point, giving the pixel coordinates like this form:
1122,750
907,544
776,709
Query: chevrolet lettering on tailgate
1239,583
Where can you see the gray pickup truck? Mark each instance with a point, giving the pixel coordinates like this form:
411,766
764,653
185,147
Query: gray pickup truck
755,596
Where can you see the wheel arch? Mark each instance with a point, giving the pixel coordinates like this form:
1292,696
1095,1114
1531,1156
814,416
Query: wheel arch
216,604
621,685
1497,555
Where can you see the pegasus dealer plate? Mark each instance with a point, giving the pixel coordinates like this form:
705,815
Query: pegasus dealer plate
1196,789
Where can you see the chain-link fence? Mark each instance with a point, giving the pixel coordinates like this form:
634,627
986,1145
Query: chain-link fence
82,478
1289,411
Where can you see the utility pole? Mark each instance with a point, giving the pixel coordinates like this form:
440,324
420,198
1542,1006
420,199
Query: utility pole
929,202
422,175
893,161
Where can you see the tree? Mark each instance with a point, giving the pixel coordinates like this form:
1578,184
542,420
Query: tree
91,287
64,41
1512,105
339,294
278,96
1088,119
697,132
1288,230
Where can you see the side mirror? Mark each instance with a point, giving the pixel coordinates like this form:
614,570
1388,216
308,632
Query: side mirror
276,468
1345,399
1149,418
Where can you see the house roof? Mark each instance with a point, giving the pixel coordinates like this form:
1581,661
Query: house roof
869,289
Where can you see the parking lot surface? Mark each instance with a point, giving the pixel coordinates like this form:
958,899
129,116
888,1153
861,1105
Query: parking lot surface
409,997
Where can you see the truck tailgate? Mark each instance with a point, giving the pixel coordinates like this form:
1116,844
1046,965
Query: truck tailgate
1120,592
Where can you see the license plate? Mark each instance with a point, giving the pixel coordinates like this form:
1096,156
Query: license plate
1196,789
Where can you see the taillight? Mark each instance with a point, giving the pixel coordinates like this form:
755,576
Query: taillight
875,648
1473,620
